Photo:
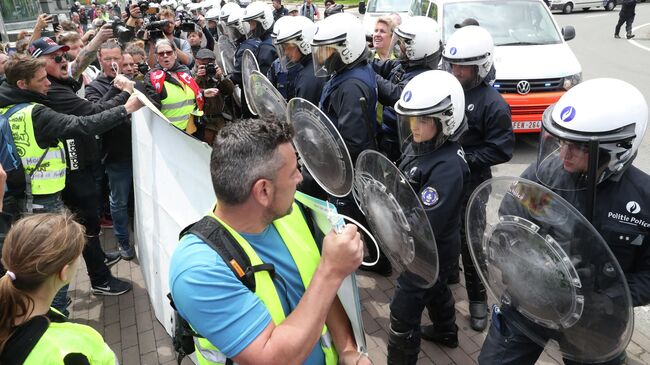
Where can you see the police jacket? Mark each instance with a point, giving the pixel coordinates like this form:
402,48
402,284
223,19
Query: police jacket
82,150
622,217
116,143
307,85
627,8
284,80
392,77
489,139
253,45
440,178
266,53
49,126
340,100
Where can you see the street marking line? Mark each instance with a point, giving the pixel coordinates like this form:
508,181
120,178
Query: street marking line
635,43
596,16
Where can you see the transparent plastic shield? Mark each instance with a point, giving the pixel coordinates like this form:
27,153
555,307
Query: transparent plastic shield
548,268
321,147
265,99
227,54
248,65
396,217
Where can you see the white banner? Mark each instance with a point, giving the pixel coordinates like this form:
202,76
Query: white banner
173,189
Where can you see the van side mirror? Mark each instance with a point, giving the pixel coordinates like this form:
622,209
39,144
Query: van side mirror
568,32
362,7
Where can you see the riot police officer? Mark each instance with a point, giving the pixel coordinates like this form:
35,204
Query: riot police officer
430,120
294,47
259,16
349,97
237,29
489,139
586,151
282,75
416,43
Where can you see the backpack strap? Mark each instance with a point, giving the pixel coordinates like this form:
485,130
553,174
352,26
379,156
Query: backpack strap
11,145
23,340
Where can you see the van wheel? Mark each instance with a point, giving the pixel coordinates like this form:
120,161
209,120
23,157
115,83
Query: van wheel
568,8
610,5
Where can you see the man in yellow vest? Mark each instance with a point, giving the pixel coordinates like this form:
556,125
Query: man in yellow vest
36,130
292,316
172,89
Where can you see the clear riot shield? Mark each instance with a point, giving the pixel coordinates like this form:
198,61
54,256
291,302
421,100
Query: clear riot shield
265,98
396,217
551,272
248,65
321,147
226,54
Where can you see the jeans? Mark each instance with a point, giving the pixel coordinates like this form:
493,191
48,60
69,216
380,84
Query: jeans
80,195
120,180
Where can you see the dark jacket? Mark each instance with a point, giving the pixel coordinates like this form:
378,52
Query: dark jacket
82,150
440,178
628,8
50,126
307,85
625,230
116,143
489,139
279,13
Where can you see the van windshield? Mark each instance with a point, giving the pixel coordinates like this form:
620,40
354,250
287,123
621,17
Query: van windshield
510,22
388,6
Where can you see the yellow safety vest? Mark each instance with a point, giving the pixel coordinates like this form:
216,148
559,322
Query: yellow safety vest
179,104
63,338
50,176
297,237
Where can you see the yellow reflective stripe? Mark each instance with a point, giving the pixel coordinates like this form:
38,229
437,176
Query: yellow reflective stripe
52,154
176,105
214,356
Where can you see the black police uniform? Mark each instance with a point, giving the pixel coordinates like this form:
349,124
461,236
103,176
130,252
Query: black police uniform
439,178
622,218
488,141
392,77
306,84
626,15
266,53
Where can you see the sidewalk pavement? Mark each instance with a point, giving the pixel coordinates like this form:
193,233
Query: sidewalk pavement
129,326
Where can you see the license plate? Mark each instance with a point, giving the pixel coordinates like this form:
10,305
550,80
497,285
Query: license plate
527,125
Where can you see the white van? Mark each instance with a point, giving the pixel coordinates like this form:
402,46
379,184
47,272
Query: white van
534,64
567,6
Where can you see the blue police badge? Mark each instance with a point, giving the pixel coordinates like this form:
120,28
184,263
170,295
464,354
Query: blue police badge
429,196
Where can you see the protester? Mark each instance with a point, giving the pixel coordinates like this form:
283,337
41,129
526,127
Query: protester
294,316
382,37
41,255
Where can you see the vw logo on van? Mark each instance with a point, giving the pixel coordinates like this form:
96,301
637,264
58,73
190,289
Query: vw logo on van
523,87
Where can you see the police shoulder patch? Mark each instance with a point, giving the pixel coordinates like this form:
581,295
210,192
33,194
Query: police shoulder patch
429,196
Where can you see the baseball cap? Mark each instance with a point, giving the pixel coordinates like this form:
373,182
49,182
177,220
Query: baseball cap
204,54
45,46
466,22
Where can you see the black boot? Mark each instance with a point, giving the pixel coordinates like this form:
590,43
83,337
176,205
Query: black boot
630,35
478,315
445,336
617,36
403,344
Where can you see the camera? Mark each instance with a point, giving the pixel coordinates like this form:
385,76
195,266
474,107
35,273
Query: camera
55,22
155,29
143,68
188,23
120,31
210,70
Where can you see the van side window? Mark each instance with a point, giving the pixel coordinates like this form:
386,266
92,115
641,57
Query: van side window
416,7
433,11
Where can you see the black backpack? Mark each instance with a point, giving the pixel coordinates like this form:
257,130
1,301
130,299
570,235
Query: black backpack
215,235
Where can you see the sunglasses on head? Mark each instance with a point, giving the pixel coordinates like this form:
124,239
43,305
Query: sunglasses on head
165,53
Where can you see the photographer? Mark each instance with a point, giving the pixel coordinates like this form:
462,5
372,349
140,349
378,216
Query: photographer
182,47
208,75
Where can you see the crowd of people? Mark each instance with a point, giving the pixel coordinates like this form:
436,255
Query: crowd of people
253,280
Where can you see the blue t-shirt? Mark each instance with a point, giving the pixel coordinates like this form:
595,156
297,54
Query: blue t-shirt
217,304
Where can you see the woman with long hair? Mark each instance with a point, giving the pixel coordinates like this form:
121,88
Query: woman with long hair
41,253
